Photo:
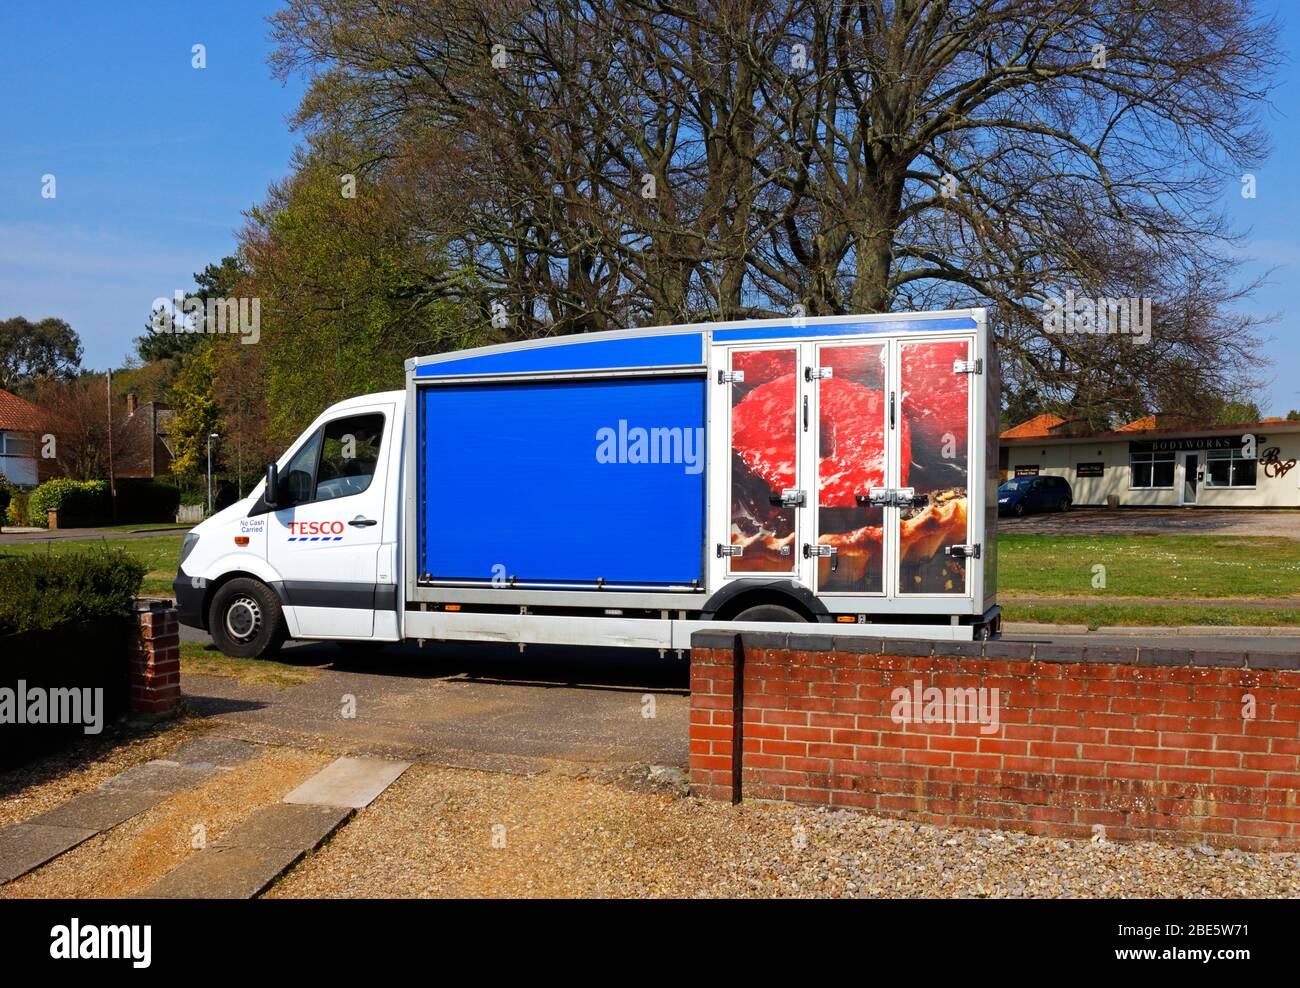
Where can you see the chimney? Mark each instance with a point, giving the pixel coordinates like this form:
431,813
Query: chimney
131,402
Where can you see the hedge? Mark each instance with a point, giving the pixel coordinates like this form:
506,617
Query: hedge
6,491
46,591
75,500
147,500
16,514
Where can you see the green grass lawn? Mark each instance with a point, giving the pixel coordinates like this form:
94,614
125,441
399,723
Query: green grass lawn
198,659
1148,566
1148,615
158,553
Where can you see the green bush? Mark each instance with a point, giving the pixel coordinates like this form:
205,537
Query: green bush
6,491
83,500
16,514
44,592
147,500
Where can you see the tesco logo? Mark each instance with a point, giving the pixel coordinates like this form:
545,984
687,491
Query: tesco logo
315,528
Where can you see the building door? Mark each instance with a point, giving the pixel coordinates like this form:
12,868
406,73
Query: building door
1191,472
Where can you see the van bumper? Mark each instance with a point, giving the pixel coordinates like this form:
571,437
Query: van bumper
189,600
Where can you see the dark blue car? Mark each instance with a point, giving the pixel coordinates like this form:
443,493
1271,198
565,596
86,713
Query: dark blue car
1025,495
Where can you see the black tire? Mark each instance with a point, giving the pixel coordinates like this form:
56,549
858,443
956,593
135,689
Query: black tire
1065,504
1018,511
245,619
769,612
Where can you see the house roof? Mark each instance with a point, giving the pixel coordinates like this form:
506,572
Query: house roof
1037,427
17,414
1145,424
1041,428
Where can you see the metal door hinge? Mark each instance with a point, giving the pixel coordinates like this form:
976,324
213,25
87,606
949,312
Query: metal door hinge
817,373
790,498
731,377
975,366
730,550
963,550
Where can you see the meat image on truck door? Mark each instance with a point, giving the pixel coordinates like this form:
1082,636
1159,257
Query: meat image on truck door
936,405
851,460
764,448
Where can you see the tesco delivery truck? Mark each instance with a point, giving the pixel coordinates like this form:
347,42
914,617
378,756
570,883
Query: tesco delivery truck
630,488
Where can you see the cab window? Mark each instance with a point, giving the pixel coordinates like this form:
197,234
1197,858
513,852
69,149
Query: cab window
349,456
337,461
300,475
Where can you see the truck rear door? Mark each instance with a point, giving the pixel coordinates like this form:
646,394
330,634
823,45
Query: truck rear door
848,464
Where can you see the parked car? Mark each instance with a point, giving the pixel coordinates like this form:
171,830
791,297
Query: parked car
1025,495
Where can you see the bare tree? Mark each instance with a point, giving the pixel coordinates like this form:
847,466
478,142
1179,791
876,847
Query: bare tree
598,164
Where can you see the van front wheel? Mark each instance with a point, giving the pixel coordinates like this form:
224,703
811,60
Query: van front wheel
245,620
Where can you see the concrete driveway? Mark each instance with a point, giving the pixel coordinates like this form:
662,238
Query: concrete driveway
594,711
1155,521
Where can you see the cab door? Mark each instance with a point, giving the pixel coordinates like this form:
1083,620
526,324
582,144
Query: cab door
325,541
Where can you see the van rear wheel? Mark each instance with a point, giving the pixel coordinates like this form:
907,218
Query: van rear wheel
245,620
769,612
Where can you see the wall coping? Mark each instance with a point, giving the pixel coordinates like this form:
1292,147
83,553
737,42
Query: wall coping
1140,655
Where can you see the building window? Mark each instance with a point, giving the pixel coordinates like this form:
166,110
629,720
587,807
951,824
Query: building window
1228,468
17,444
1152,469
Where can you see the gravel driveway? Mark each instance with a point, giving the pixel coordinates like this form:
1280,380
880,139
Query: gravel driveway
447,832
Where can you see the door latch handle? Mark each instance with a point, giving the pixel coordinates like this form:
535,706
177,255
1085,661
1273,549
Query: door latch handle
359,522
789,498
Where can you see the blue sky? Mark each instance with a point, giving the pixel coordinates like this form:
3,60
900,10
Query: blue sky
155,161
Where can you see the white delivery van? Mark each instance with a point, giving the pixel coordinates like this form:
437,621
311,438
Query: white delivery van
630,488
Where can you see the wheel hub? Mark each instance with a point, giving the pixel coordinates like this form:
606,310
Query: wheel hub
243,618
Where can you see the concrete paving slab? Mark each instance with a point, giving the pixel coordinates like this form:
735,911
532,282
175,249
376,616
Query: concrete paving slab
100,809
25,846
224,873
301,826
351,782
221,752
158,776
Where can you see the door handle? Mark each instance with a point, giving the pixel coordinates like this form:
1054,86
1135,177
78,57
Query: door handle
360,522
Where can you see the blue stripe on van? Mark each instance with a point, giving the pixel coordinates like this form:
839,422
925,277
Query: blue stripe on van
671,350
855,328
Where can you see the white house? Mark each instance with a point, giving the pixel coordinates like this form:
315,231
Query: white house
1152,463
19,423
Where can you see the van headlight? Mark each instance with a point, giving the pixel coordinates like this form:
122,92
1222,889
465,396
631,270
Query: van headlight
191,540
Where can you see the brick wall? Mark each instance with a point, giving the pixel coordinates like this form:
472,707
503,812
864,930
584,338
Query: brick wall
154,660
1150,743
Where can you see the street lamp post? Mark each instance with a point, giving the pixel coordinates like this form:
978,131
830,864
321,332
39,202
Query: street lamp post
211,436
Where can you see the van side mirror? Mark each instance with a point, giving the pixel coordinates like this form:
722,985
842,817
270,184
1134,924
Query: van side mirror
272,493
